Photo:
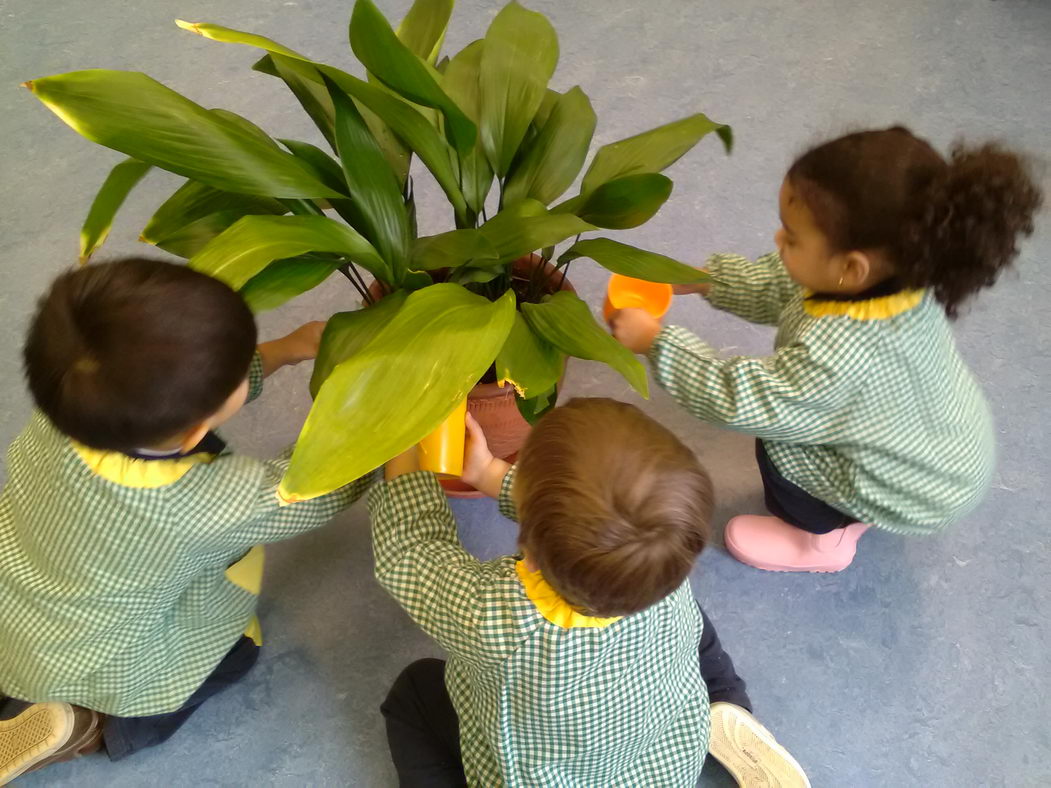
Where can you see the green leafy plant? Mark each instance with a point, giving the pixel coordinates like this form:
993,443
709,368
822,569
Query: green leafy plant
275,217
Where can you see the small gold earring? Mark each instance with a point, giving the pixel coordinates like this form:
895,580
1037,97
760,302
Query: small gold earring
841,281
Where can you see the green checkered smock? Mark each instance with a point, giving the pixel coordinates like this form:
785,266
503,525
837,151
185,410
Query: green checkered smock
615,704
866,405
117,598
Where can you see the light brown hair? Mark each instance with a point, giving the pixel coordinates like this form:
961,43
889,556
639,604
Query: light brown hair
613,508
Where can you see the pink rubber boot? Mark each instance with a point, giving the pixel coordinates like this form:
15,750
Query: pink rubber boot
772,544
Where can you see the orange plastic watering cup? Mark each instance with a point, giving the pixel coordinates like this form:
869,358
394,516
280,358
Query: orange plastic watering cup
624,292
442,451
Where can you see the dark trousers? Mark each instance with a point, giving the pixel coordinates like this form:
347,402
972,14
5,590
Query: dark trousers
793,504
126,735
423,731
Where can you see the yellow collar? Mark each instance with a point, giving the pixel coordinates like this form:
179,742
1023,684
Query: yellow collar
871,309
113,466
552,606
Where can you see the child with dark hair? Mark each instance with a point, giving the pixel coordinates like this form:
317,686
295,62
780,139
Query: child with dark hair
130,558
865,414
584,660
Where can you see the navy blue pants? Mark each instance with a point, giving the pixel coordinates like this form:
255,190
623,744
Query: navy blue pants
126,735
793,504
423,731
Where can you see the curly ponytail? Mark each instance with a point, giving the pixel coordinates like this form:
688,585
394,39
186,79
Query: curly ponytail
967,223
950,226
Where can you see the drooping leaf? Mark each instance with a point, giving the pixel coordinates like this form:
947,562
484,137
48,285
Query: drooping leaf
452,249
140,117
626,202
518,59
115,189
566,322
461,83
283,280
556,156
253,242
378,202
423,28
527,226
632,261
348,332
651,151
380,51
531,364
408,379
196,212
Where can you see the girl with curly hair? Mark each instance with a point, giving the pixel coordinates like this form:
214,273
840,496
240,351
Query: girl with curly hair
865,415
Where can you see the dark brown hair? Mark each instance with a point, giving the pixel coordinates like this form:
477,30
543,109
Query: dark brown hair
951,226
127,354
613,507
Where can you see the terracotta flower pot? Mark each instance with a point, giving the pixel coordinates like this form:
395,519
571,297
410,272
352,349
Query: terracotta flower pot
493,406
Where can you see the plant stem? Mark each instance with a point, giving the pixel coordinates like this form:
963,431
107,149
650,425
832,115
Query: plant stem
361,280
345,269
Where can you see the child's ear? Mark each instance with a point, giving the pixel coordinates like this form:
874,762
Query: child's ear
857,266
194,436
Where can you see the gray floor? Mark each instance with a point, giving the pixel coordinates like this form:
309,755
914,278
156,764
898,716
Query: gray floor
924,664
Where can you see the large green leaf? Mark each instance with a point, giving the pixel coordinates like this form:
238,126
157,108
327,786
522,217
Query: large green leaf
412,129
534,408
285,279
348,332
378,202
461,83
566,322
423,28
115,189
519,57
303,77
254,242
531,364
398,388
305,83
130,112
557,154
652,150
452,249
191,238
527,226
380,51
631,261
626,202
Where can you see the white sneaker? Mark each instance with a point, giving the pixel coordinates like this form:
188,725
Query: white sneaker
750,752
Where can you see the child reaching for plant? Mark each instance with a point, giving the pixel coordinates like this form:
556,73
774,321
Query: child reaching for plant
865,415
129,557
584,660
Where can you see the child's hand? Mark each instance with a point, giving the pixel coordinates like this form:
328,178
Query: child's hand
635,329
301,345
481,469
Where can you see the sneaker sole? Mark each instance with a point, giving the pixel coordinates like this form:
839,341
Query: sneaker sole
750,752
32,737
733,550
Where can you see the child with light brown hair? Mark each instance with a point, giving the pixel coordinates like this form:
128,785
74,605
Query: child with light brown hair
585,660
